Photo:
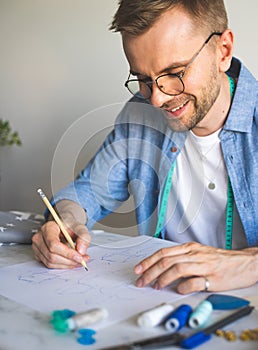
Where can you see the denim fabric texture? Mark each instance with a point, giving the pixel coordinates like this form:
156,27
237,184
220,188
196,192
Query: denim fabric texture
136,156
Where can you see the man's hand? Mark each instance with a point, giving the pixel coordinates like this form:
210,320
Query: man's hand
50,246
193,263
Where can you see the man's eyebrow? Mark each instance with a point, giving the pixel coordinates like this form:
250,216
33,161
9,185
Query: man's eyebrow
164,70
135,73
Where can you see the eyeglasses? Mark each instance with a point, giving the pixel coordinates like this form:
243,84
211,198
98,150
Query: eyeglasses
170,83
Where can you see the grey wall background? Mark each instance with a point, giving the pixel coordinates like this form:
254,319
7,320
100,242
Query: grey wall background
59,62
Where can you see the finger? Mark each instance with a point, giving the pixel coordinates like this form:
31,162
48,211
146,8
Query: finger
51,250
176,251
50,259
181,270
195,284
51,236
80,234
54,262
169,267
155,271
83,239
145,264
169,270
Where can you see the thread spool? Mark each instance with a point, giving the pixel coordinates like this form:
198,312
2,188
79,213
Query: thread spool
200,314
153,317
86,336
65,320
178,318
87,318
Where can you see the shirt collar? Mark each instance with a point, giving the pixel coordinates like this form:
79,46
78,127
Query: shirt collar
244,101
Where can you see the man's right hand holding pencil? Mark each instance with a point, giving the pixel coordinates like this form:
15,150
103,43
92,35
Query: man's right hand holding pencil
49,244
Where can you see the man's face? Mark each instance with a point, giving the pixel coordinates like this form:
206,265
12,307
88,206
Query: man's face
167,47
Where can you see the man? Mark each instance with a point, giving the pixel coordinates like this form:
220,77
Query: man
187,146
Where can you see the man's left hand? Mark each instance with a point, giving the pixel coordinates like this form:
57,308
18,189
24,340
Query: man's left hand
193,264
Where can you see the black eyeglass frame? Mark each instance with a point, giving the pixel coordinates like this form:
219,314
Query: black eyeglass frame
176,75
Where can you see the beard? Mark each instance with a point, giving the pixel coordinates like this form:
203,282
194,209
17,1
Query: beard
201,106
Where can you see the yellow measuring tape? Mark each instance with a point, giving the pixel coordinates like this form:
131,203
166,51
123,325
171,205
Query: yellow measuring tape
230,198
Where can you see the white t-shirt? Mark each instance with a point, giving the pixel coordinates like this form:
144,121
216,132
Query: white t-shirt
195,212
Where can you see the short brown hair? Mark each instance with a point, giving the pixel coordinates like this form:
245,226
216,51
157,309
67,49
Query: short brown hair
135,17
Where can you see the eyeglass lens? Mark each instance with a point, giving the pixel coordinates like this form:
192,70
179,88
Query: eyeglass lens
169,84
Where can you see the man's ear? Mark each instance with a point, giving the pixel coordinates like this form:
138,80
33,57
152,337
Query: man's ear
225,47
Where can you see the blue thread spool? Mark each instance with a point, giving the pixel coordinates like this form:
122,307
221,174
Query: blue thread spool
200,314
178,318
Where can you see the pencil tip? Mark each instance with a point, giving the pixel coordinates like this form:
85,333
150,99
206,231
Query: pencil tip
86,268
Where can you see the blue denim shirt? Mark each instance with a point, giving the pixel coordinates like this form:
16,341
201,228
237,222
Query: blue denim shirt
136,156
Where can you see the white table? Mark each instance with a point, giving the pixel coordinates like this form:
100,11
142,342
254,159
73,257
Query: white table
23,328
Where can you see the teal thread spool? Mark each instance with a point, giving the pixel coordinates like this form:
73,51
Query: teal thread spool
59,319
178,318
200,314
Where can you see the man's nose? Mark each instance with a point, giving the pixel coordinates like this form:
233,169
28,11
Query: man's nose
158,98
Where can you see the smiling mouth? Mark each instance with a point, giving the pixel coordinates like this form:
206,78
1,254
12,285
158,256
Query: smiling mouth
173,110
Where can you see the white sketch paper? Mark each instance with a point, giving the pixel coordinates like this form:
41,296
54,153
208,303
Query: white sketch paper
109,283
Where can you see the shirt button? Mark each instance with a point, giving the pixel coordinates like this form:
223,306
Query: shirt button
173,149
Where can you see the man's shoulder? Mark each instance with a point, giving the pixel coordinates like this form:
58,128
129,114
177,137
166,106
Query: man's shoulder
141,114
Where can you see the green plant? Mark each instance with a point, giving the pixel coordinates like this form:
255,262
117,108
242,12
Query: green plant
7,136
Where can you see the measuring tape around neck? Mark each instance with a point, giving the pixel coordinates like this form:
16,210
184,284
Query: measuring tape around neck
164,201
230,197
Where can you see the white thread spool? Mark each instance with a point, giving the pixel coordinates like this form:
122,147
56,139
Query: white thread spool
88,318
155,316
200,314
